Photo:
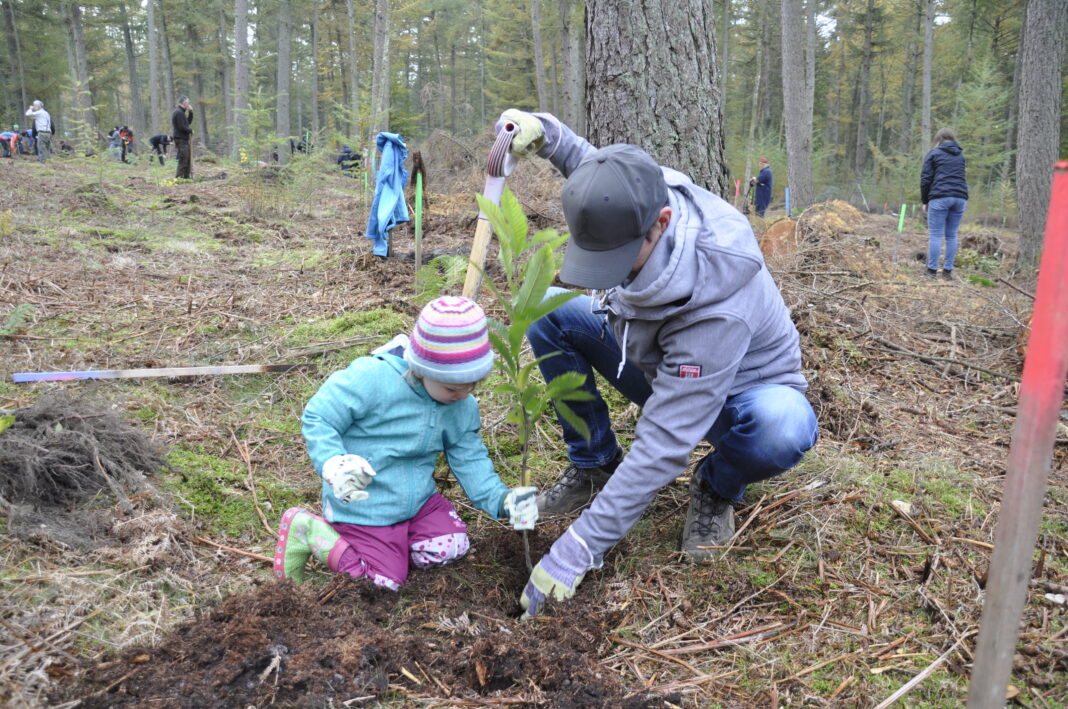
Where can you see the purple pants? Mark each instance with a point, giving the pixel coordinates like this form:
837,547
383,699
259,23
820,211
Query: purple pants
436,535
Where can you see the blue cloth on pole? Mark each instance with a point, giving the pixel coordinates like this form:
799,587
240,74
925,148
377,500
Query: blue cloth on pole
388,208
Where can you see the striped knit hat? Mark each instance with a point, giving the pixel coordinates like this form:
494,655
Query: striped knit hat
450,343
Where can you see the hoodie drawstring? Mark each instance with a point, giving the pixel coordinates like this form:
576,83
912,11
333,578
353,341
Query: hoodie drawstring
623,362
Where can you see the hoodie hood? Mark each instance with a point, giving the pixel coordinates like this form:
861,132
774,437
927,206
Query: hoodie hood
951,146
705,255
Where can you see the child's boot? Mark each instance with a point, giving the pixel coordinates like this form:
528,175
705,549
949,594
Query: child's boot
300,535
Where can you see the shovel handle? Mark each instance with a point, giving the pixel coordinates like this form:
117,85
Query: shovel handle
499,165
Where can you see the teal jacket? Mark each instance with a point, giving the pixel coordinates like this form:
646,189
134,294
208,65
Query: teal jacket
376,409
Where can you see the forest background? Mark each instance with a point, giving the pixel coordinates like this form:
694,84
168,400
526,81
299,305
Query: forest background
877,78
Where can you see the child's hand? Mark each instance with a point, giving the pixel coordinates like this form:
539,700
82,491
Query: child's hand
522,507
348,475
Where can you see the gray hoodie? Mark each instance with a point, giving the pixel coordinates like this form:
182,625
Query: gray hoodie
703,320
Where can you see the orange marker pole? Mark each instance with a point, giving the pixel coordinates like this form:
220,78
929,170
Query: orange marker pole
1041,397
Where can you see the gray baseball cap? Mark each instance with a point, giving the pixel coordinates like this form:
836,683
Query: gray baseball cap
611,200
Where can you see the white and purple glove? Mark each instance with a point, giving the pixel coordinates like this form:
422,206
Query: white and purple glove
521,507
558,573
348,475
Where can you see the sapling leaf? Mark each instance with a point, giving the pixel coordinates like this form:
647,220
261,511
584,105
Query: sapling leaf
537,277
517,220
569,415
565,383
551,303
498,335
6,422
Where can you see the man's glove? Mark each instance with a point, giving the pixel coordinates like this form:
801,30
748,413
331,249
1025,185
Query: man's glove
348,475
558,573
752,180
522,508
530,135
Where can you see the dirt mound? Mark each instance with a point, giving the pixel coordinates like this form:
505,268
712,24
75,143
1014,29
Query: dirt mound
450,633
57,455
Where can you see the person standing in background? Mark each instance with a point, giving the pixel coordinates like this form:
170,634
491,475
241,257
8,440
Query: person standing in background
944,193
42,129
763,187
181,122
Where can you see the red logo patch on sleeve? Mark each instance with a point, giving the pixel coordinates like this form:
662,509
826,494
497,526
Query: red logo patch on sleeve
689,371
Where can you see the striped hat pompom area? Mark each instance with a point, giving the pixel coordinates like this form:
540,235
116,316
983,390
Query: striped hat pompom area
450,343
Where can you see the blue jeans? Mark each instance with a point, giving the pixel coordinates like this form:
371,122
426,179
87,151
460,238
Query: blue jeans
759,433
943,218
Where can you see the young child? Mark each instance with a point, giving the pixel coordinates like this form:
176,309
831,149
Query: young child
374,432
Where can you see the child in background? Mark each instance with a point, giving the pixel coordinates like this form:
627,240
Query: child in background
374,432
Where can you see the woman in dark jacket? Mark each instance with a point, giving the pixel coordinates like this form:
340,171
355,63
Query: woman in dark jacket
944,193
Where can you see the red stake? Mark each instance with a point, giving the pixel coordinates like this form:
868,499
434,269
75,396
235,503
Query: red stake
1041,396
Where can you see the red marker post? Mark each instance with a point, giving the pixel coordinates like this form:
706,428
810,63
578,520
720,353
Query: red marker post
1041,397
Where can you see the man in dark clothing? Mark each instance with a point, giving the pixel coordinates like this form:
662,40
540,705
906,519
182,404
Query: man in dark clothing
763,188
348,161
159,145
181,122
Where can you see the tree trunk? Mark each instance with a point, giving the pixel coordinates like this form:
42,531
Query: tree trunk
928,53
15,47
724,55
137,106
967,61
380,72
81,71
860,154
481,65
284,74
315,125
224,72
796,110
672,58
908,82
153,71
240,117
810,63
1008,162
354,92
198,77
168,63
574,67
754,103
539,57
1038,135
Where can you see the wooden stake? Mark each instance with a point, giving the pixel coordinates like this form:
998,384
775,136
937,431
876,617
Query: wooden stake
22,377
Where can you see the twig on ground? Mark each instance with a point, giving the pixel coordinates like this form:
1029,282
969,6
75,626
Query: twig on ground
239,552
911,684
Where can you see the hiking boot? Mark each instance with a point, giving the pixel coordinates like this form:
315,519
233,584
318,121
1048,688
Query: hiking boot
709,522
948,275
576,488
932,273
301,534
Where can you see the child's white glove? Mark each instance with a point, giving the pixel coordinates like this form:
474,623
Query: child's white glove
522,507
348,475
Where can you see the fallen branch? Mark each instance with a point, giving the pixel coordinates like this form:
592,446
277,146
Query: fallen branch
737,639
927,537
240,552
931,359
23,377
911,684
620,641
